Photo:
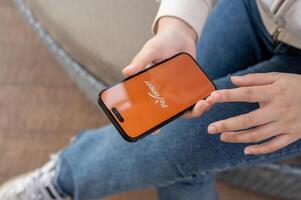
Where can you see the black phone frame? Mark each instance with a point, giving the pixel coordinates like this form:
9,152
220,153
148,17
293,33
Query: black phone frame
116,124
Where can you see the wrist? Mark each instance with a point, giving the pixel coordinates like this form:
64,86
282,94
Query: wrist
177,25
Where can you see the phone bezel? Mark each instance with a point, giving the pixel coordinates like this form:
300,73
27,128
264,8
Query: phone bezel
115,122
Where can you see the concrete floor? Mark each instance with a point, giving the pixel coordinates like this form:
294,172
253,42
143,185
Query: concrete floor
41,108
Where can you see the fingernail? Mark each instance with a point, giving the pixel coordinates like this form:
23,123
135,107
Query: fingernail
212,129
156,132
235,78
127,68
203,103
209,100
223,138
247,151
215,95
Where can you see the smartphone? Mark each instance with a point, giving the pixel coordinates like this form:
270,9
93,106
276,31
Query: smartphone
153,97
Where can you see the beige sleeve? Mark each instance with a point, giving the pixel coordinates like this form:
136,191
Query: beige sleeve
193,12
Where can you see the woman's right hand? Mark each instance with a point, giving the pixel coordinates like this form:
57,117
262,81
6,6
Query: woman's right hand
173,36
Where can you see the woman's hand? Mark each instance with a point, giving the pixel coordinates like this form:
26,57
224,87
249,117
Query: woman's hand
277,119
173,36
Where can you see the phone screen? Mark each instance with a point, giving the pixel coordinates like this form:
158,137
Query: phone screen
148,100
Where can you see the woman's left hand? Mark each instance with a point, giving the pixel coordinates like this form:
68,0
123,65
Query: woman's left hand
277,119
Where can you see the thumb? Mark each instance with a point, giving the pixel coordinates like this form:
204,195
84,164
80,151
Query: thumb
146,56
255,79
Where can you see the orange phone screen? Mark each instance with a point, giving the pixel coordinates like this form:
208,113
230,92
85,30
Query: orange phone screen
148,99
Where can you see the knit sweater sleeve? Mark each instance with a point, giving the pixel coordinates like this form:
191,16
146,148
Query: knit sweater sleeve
193,12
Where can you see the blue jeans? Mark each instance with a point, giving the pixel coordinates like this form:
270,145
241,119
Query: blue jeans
181,161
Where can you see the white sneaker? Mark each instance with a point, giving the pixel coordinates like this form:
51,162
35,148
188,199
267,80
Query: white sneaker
36,185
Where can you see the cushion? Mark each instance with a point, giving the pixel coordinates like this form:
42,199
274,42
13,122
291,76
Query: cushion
101,35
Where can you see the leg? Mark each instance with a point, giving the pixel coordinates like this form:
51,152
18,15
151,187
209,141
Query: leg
201,186
233,39
101,163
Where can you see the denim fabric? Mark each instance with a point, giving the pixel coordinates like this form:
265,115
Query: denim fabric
181,161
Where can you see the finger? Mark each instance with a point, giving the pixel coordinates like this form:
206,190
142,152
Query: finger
253,135
254,118
255,79
210,100
210,103
208,108
241,94
199,108
146,56
275,144
156,132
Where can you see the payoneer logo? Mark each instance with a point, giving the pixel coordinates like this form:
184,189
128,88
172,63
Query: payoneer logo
156,95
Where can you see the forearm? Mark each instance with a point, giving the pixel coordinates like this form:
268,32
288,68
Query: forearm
178,25
192,12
